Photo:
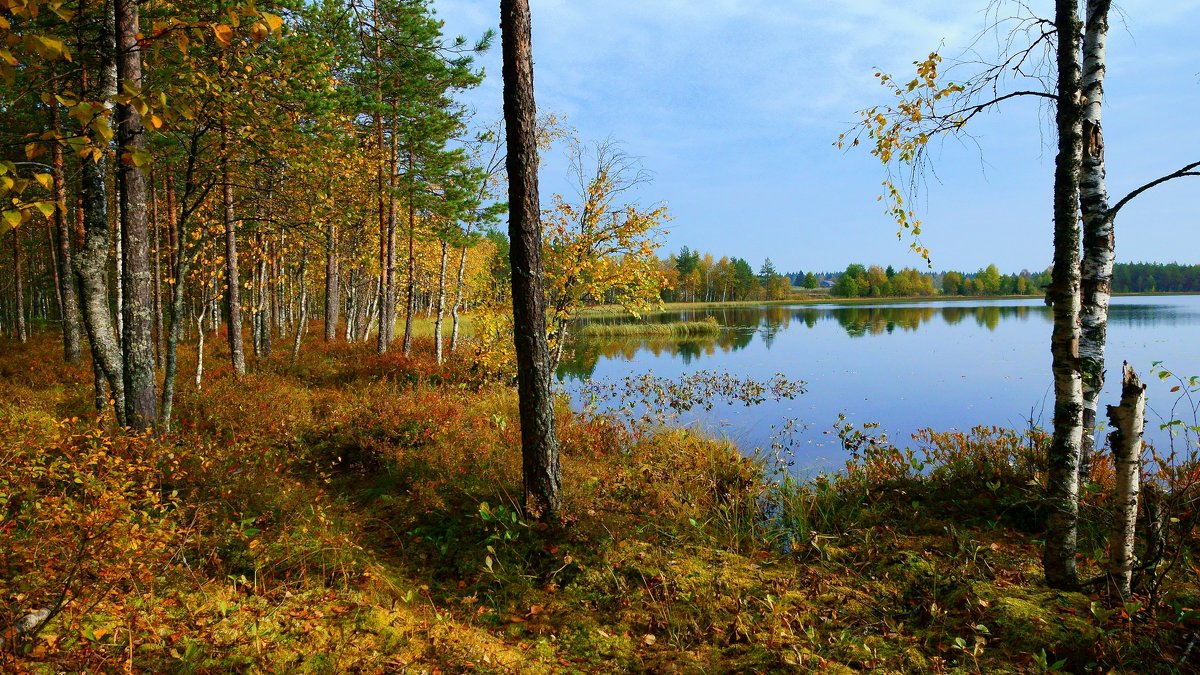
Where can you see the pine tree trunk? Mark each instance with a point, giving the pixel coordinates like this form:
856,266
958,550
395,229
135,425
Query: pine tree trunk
53,267
410,286
1128,421
1062,492
539,445
232,280
70,303
1098,234
332,301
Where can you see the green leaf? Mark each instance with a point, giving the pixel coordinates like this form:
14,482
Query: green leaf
47,208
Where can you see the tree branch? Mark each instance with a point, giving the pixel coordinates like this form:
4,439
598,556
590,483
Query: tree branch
1188,170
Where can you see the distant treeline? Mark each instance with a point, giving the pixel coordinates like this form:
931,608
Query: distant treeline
696,277
875,281
1156,277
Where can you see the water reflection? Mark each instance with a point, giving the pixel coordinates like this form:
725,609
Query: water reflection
740,326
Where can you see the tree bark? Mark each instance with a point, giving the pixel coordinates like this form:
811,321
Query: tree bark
19,287
200,349
539,445
303,304
1128,422
332,305
351,305
180,265
159,338
1062,492
458,299
91,263
1098,232
264,300
410,284
141,396
441,305
233,282
70,303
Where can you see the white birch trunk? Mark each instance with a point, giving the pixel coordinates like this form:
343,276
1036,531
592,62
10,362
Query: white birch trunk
441,306
1128,421
458,299
1098,239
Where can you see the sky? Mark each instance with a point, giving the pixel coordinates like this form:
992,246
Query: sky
733,107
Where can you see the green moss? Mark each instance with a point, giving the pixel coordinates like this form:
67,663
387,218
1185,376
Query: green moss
1029,619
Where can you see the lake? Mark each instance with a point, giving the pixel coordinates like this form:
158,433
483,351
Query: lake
938,364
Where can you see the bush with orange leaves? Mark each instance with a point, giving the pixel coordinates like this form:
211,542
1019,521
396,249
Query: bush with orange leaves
87,526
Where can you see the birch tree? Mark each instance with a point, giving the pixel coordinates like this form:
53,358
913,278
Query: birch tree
929,107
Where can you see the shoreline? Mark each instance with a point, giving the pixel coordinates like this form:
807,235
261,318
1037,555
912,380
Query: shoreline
608,311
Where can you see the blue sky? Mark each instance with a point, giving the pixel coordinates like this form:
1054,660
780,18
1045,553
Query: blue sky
733,105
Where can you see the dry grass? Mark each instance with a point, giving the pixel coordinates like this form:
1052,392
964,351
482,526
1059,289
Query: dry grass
356,512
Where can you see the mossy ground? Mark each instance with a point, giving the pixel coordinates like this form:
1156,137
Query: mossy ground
359,513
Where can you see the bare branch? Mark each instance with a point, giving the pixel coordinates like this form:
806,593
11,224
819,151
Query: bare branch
1188,170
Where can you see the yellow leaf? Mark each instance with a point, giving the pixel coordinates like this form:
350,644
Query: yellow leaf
45,180
259,31
274,22
223,33
12,217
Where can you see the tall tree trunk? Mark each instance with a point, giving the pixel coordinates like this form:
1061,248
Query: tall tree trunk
441,304
91,263
410,284
53,267
458,299
1098,232
264,301
141,395
1062,492
119,240
352,298
200,349
539,445
368,293
158,309
19,286
181,264
303,304
332,305
232,280
173,248
1128,421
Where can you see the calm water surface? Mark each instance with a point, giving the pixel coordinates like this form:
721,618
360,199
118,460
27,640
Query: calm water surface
944,365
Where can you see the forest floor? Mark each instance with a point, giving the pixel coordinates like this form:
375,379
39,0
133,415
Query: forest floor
360,513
